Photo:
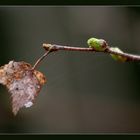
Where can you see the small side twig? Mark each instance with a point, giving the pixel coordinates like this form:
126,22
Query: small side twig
41,58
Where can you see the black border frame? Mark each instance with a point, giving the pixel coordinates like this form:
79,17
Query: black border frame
69,2
58,3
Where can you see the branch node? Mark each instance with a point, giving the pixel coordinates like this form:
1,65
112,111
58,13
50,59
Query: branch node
50,47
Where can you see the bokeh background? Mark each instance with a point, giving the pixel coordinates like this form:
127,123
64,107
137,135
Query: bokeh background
85,92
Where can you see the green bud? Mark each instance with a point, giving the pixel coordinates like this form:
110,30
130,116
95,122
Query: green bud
97,44
118,57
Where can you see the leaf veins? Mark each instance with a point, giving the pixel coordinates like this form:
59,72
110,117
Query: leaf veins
23,83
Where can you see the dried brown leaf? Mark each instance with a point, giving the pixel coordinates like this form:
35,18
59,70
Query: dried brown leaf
22,82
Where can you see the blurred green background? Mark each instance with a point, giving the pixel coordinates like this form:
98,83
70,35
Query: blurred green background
85,92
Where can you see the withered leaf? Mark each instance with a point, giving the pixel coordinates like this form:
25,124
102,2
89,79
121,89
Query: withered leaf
22,82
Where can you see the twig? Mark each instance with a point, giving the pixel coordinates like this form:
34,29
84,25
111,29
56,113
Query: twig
40,59
130,57
54,47
66,48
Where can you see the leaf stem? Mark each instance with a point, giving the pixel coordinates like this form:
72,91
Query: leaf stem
40,59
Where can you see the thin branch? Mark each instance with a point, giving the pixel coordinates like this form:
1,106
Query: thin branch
130,57
66,48
54,47
40,59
